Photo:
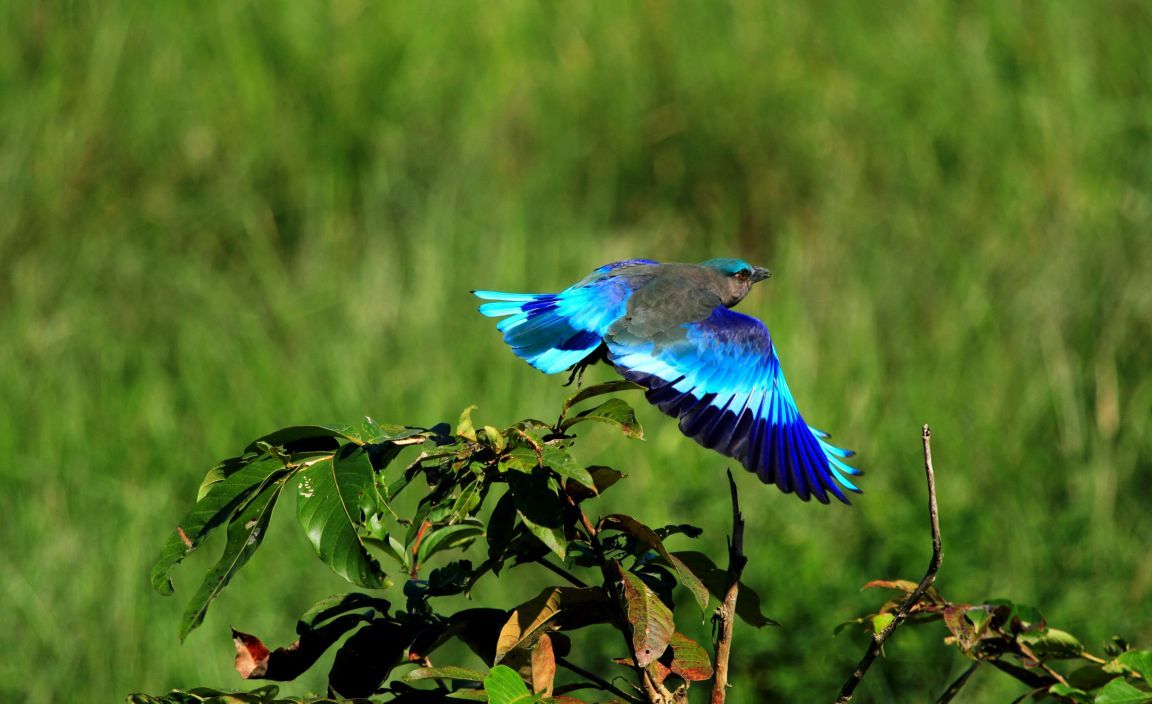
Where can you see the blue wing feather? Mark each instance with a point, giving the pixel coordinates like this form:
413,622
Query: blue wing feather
722,380
555,331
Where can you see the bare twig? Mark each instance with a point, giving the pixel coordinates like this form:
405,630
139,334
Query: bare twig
573,579
725,615
954,688
593,680
878,639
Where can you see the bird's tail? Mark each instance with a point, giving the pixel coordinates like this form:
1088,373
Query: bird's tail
539,329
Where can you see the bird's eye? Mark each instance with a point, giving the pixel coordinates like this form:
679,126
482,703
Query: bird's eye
743,274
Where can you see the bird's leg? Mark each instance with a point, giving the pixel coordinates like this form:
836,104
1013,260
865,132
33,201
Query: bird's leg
600,354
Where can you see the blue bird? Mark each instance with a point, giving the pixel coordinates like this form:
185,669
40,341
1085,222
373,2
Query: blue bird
670,328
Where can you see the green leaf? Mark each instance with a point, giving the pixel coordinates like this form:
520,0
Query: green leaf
716,580
223,499
245,534
615,412
646,535
540,508
495,438
882,621
561,462
1118,691
1138,661
334,497
652,625
1052,643
337,604
296,433
1077,695
504,686
609,387
446,537
464,428
443,673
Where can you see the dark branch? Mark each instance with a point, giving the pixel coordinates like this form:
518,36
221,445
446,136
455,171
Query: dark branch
593,680
954,688
725,616
543,562
878,639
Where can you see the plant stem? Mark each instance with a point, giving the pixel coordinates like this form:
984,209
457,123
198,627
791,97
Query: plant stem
878,639
725,616
597,680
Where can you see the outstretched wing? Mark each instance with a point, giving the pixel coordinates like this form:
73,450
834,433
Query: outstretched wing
554,331
721,378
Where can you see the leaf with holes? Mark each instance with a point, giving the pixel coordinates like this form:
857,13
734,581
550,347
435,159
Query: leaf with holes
335,496
221,501
245,534
652,625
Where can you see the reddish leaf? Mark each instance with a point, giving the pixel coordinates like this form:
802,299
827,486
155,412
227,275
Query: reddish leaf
651,620
543,667
254,661
689,660
251,655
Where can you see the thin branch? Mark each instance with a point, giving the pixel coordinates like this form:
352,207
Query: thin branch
597,681
954,688
878,639
562,572
725,616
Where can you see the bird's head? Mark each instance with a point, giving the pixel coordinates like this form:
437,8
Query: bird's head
734,278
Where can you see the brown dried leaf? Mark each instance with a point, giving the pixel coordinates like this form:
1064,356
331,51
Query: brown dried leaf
543,667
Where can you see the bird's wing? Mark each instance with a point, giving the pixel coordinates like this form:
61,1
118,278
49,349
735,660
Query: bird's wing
721,378
554,331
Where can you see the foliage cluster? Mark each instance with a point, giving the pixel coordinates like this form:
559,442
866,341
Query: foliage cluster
614,571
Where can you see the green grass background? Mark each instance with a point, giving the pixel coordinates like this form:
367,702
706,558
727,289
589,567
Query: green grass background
220,218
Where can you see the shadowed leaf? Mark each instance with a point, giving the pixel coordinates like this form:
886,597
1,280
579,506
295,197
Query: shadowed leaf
255,661
716,580
297,433
366,659
539,508
1118,691
646,535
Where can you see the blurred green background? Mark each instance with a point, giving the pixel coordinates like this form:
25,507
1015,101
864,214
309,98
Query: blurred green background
220,218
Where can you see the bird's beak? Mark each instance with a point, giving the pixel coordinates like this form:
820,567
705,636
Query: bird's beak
759,273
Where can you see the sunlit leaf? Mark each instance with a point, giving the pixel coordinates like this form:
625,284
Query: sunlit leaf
1119,691
334,498
443,673
1052,643
609,387
464,428
615,412
1139,661
245,534
554,607
504,686
652,625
